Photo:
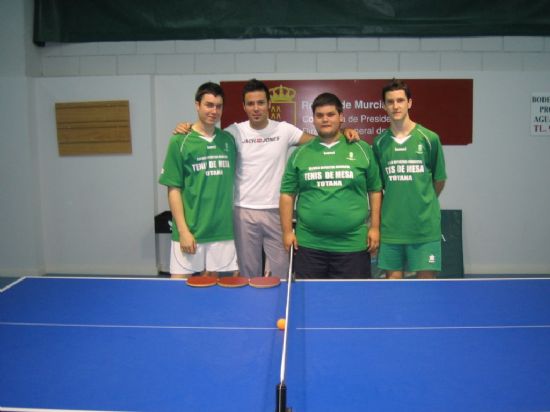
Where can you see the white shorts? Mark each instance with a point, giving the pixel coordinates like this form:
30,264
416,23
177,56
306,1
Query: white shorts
212,256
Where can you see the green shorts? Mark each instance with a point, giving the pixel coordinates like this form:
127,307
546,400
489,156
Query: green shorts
411,257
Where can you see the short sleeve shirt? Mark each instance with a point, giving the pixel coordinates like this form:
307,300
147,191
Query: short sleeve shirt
261,159
204,171
332,185
410,209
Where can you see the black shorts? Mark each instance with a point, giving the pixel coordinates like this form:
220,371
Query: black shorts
319,264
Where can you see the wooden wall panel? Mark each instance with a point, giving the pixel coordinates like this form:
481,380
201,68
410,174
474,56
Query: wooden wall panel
90,128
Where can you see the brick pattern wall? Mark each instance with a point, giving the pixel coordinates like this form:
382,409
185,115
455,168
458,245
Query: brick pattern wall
288,55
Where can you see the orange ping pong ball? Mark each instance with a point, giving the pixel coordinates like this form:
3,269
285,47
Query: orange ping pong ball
281,323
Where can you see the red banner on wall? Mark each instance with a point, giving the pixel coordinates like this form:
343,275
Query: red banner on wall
442,105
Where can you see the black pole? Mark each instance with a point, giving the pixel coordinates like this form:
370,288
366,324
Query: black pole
281,398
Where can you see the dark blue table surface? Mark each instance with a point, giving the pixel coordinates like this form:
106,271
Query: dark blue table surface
159,345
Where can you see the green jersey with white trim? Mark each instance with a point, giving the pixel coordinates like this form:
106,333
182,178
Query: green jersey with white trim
410,209
204,171
332,184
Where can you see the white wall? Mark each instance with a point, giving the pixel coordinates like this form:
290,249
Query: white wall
501,180
97,211
94,214
20,227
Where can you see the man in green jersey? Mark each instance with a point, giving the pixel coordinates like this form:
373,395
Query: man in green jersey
412,167
199,173
335,182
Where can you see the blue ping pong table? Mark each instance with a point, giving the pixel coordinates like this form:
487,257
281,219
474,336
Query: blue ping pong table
88,344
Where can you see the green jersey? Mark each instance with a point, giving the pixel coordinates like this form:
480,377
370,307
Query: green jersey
332,184
204,171
410,209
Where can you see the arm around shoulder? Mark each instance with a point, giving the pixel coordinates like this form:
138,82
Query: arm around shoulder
306,138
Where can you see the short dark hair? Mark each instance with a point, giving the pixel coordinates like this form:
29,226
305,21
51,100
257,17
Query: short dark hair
396,84
254,85
327,99
208,88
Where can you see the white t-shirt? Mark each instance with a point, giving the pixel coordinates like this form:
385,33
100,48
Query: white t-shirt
261,160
